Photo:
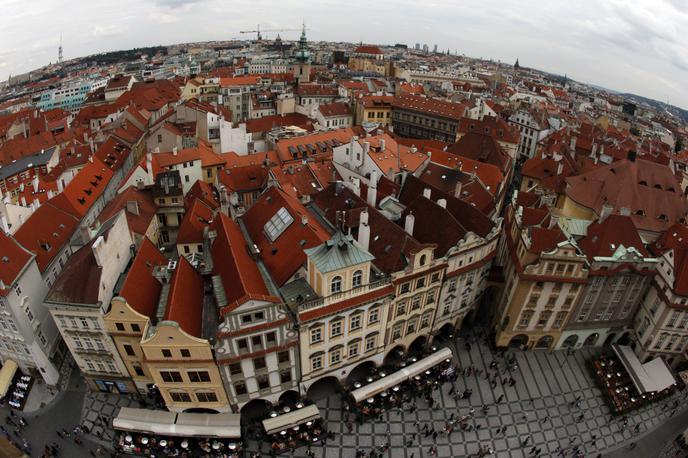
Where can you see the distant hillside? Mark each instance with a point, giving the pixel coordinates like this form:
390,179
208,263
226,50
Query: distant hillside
661,106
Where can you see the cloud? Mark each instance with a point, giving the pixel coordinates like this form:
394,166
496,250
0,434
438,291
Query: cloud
174,4
107,30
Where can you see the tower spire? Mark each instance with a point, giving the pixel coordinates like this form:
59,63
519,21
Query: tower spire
59,51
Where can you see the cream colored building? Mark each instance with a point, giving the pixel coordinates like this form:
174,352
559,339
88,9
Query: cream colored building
344,326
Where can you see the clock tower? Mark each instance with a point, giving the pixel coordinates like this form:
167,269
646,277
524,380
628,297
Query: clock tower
302,60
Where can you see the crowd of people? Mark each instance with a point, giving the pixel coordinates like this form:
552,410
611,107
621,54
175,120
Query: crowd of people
620,392
147,445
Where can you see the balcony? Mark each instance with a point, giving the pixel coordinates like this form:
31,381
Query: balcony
344,295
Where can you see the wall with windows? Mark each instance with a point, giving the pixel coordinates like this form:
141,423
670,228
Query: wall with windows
412,311
257,353
183,369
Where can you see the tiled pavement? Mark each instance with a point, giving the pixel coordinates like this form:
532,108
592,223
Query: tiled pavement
551,380
546,385
97,405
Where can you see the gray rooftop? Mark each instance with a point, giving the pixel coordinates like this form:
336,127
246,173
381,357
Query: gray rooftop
338,253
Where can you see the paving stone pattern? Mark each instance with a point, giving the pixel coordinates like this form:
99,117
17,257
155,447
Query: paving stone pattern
546,385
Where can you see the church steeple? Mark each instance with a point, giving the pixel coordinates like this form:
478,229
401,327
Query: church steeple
302,58
303,54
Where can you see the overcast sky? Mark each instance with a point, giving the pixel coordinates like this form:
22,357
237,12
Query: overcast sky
637,46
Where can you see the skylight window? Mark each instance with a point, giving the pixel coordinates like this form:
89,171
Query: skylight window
278,223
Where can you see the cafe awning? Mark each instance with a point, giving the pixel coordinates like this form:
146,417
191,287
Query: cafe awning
654,375
289,420
219,425
6,376
393,379
145,421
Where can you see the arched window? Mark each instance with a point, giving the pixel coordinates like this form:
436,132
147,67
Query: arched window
336,285
422,260
357,279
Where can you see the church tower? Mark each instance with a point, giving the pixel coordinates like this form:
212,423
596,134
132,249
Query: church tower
302,60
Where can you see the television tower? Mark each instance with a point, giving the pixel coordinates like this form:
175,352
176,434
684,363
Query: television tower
59,51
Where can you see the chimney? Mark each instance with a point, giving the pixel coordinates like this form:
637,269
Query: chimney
98,251
133,207
23,201
427,192
560,167
382,145
457,189
366,147
553,220
594,149
631,156
364,230
34,182
372,189
607,210
414,149
304,220
573,144
92,145
60,186
408,224
356,186
442,203
224,200
149,167
174,151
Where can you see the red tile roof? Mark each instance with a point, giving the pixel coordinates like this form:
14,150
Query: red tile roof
196,219
185,299
604,238
203,191
317,90
481,148
334,109
649,190
46,231
145,206
284,256
141,289
84,189
20,147
498,128
13,259
232,261
367,49
676,239
266,123
245,178
430,107
299,145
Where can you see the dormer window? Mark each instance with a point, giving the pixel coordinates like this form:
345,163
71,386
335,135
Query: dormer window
642,183
658,186
336,285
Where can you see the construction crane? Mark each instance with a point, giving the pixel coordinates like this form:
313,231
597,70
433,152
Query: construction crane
258,31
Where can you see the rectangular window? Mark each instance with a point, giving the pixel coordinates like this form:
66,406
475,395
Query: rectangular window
355,322
370,343
285,377
135,327
235,369
198,376
171,376
271,338
185,353
139,371
420,283
180,397
316,335
259,363
283,357
129,350
335,356
240,388
373,316
166,353
206,397
401,308
242,345
316,362
119,326
353,349
405,288
336,328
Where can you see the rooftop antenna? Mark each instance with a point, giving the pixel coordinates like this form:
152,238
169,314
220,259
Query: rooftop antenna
59,51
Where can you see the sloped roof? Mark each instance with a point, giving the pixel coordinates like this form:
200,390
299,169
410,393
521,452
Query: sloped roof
430,106
239,272
283,256
84,189
138,223
603,239
676,239
46,231
481,148
649,190
13,259
196,219
338,253
185,299
141,289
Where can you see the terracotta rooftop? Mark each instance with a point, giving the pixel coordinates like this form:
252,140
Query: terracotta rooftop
141,289
334,109
603,238
138,206
185,299
13,259
196,219
430,107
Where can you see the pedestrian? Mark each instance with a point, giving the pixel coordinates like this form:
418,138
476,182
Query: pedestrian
500,398
434,436
59,434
